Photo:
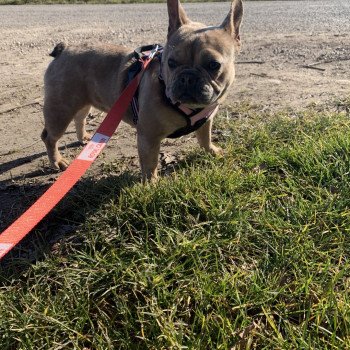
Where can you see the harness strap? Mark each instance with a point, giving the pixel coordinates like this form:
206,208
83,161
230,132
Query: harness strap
194,120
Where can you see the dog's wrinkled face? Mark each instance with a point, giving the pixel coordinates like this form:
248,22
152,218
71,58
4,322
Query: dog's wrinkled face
198,61
198,66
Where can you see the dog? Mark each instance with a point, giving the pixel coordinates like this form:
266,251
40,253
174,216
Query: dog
196,69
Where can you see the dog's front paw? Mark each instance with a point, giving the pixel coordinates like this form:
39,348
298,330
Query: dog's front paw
151,178
215,150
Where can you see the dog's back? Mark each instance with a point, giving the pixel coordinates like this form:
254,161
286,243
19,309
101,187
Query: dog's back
85,73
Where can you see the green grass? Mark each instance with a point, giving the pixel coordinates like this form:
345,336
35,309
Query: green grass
247,251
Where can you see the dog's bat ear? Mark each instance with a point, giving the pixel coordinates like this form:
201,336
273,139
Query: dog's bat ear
233,20
177,16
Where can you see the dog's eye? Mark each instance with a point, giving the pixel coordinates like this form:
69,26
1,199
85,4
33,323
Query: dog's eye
172,63
214,65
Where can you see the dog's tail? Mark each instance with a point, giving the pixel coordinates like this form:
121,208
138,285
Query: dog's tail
57,50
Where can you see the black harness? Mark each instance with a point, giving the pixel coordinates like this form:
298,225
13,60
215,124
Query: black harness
194,118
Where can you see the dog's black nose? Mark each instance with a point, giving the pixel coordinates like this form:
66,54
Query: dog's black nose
188,79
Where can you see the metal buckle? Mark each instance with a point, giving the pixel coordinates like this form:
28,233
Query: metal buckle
147,51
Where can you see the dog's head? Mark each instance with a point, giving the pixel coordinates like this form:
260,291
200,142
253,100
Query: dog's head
198,61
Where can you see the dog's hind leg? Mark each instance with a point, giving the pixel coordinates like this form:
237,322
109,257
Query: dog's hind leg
80,123
57,120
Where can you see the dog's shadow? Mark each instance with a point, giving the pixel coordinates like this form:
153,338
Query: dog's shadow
71,213
4,167
83,201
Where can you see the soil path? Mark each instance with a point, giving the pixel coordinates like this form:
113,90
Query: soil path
279,38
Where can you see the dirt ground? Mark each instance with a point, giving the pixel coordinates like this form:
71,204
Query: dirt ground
294,53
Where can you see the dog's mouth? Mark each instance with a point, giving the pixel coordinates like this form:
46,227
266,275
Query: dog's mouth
187,98
199,96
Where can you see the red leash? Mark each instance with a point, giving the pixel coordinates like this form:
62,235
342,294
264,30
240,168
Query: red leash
30,218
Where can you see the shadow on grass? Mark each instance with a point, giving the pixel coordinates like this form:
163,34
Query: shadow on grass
83,201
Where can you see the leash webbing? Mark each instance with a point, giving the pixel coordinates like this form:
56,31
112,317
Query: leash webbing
32,216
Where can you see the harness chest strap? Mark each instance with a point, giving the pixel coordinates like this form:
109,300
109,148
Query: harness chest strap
194,119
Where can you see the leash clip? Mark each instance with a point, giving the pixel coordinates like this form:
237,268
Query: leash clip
147,52
153,52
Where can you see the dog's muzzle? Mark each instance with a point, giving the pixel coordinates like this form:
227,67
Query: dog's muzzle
191,88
